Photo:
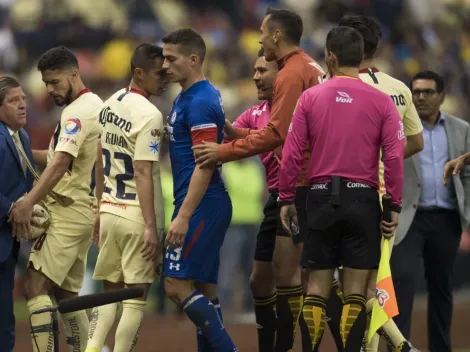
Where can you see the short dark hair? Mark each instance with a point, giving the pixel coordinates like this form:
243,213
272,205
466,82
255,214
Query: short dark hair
261,52
433,76
347,44
368,28
7,83
288,21
144,56
57,58
190,41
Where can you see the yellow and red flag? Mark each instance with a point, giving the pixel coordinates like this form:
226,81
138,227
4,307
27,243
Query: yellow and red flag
385,303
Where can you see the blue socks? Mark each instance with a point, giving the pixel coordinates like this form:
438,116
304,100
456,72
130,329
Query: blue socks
206,317
202,344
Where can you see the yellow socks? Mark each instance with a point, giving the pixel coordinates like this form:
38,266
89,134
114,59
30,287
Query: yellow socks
314,312
127,333
76,330
101,321
353,322
41,330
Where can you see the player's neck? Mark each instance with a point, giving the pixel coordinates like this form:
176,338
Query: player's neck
368,63
347,72
135,86
192,80
78,88
285,50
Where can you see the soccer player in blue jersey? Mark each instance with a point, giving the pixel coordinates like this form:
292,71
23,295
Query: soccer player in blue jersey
203,209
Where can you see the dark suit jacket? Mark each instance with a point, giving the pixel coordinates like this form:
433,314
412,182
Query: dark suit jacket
13,183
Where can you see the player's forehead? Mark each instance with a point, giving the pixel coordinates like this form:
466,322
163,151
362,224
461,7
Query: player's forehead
172,50
424,84
56,74
264,24
262,64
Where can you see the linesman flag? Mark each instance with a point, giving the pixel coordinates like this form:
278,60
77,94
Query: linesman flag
385,303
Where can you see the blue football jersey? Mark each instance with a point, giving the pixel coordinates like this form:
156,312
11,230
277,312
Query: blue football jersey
197,115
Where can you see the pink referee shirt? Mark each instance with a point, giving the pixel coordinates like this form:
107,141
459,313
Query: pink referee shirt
346,122
256,118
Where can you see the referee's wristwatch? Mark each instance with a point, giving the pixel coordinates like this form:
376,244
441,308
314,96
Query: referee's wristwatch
281,203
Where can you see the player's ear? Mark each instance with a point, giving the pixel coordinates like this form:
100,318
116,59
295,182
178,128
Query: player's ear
138,72
276,36
193,60
74,74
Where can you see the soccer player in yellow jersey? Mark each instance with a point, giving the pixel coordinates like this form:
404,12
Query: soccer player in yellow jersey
401,96
57,259
128,242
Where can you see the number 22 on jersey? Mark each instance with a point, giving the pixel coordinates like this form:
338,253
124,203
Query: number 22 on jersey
128,174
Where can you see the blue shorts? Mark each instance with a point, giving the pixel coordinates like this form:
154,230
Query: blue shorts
198,259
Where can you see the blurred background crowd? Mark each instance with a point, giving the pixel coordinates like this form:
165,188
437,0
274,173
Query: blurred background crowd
418,35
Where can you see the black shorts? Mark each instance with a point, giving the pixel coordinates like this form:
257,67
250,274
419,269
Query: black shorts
271,225
347,234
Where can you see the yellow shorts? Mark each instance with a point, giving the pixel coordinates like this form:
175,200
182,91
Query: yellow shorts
61,253
120,258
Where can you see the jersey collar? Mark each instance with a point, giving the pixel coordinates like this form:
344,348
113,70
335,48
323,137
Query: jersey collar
81,92
281,62
138,91
369,69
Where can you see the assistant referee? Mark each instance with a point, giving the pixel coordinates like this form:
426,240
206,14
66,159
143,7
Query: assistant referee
346,122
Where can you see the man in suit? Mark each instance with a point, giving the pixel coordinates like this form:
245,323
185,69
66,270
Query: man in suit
433,215
15,180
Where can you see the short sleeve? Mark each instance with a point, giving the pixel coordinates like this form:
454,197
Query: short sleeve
147,144
73,131
411,120
202,121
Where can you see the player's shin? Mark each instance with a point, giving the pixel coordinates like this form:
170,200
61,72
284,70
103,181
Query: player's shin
288,307
265,313
314,312
76,330
102,319
128,330
41,324
333,312
353,322
203,344
204,315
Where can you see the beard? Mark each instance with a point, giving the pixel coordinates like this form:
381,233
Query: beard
61,101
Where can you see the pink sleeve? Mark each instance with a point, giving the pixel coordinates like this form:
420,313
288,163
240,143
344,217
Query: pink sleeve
393,146
293,151
243,125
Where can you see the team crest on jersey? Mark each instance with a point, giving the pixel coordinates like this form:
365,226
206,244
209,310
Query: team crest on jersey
154,147
173,117
155,132
72,126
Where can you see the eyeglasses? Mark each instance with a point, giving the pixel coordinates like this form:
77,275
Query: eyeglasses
426,92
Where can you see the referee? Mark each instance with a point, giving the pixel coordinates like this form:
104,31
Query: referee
349,124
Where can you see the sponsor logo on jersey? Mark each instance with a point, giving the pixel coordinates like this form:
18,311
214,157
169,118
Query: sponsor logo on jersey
398,100
155,133
173,117
154,147
107,116
72,126
344,98
68,140
401,132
